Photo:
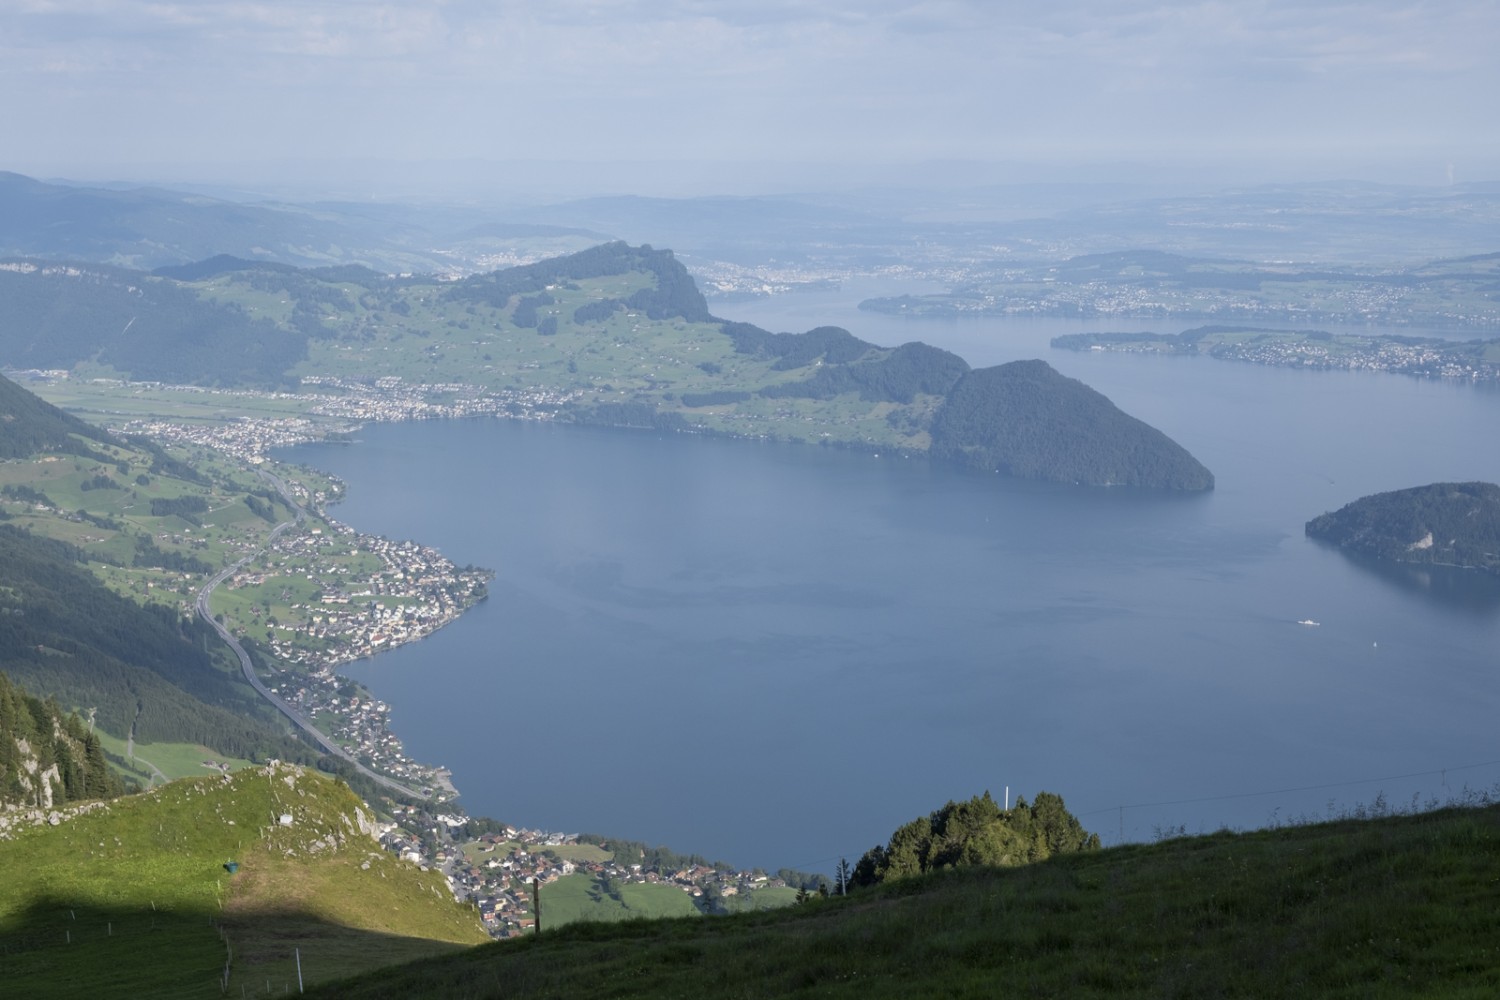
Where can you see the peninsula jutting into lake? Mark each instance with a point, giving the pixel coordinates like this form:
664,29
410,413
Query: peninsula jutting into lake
1443,524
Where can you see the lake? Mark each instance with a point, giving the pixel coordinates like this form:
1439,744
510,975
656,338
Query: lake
774,655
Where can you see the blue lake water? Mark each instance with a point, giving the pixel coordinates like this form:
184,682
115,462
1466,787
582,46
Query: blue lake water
775,654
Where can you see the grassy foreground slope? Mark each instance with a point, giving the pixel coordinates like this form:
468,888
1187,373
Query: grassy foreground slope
132,898
1400,906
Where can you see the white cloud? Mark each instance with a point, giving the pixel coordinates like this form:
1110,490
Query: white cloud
810,79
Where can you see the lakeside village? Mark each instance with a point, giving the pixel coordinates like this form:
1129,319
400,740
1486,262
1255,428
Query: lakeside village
497,872
415,591
350,403
1424,358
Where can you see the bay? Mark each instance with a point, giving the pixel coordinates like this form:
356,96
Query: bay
775,654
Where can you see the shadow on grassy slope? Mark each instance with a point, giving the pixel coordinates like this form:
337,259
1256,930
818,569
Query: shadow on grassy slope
1396,906
57,948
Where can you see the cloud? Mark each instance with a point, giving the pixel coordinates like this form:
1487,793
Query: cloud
815,79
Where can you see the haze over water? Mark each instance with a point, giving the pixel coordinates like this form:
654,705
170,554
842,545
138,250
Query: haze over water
776,654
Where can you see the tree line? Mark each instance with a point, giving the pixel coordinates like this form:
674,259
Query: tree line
976,832
36,736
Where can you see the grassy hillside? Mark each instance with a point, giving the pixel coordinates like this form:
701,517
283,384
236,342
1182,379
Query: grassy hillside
133,897
1398,906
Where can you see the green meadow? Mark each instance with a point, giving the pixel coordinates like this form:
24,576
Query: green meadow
1398,906
135,898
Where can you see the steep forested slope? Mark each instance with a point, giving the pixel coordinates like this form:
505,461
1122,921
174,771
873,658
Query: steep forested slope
29,425
48,757
1452,524
63,635
1025,419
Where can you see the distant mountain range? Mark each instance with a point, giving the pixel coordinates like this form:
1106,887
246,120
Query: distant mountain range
148,227
944,236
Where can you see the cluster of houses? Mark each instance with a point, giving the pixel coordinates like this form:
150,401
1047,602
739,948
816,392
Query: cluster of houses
1378,356
362,726
349,403
496,872
415,591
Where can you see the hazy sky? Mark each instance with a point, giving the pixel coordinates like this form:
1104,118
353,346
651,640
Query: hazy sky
101,88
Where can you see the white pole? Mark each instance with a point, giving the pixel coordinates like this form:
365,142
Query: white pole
1007,798
298,952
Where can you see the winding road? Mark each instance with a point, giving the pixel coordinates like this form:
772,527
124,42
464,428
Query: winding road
249,671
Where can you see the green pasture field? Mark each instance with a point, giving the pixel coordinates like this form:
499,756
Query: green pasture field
580,897
227,528
578,853
175,760
114,402
474,851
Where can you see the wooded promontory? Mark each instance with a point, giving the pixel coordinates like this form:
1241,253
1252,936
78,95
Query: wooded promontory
1446,524
1025,419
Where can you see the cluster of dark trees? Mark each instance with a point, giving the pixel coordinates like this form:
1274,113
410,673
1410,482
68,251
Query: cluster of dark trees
262,503
525,314
184,507
976,832
844,364
596,312
898,376
1451,524
148,553
1025,419
719,397
35,736
633,415
26,494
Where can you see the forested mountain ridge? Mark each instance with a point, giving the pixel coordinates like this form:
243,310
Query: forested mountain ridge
1449,524
1027,420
